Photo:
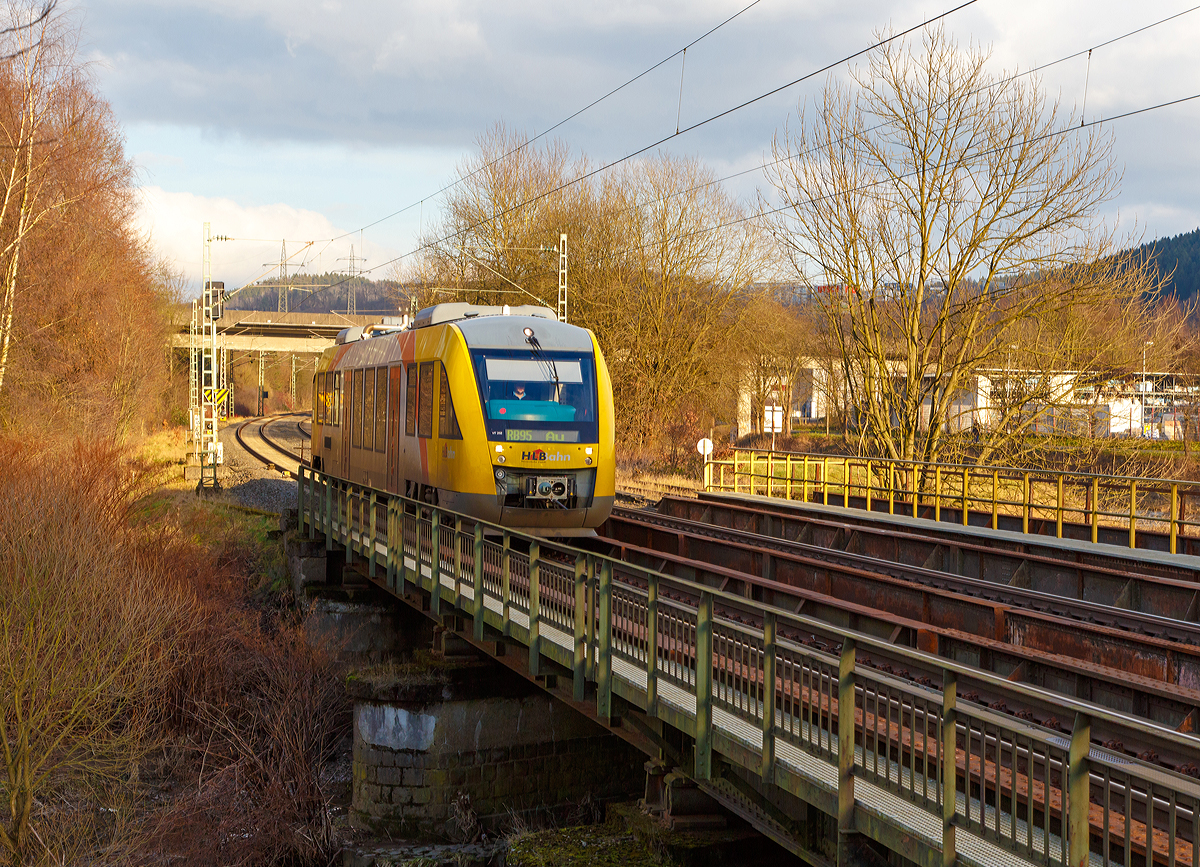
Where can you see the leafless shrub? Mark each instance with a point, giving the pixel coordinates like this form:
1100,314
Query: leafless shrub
88,632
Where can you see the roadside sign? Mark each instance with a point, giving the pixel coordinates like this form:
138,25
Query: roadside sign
773,419
216,395
705,447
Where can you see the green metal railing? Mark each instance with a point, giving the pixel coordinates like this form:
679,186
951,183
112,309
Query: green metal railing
788,698
1106,508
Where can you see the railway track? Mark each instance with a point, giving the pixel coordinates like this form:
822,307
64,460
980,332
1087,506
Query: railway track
1143,604
252,435
652,491
1062,650
996,555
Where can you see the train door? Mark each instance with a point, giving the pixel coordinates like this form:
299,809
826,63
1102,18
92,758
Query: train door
349,416
395,392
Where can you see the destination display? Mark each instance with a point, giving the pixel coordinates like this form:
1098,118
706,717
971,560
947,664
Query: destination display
532,435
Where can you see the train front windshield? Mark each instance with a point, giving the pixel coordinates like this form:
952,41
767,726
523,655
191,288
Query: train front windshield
537,397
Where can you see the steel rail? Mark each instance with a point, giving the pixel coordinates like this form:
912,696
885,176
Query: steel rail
1120,599
993,554
746,686
270,461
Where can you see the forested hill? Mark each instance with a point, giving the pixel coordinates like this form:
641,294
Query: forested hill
1180,254
383,297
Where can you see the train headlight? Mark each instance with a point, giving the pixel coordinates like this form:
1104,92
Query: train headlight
587,461
499,474
558,489
499,459
545,489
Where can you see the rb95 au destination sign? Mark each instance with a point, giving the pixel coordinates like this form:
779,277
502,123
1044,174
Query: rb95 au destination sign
529,435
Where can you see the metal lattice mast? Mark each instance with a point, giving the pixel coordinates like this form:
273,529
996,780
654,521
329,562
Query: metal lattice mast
228,390
209,363
194,383
261,372
293,391
224,377
283,281
562,277
352,283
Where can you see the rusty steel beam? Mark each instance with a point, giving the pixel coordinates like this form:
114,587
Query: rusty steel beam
1144,676
855,547
1162,585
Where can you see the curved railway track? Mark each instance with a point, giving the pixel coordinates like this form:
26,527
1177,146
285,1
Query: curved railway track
253,437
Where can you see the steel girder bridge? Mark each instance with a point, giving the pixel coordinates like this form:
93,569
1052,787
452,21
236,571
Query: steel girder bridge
784,719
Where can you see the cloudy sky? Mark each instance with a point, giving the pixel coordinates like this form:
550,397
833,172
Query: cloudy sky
306,120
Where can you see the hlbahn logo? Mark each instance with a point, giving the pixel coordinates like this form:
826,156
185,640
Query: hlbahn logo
539,455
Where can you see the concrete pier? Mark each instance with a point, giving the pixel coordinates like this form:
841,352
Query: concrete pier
465,747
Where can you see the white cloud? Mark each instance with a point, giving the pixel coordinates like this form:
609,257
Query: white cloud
174,223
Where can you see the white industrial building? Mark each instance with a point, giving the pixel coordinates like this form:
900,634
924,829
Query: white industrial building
1151,405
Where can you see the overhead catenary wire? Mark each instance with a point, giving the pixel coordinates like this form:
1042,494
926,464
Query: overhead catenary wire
911,174
565,120
1031,71
828,67
684,131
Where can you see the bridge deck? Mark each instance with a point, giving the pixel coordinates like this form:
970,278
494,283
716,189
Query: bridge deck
759,690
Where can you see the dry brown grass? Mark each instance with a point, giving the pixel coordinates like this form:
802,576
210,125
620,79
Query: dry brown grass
88,630
155,703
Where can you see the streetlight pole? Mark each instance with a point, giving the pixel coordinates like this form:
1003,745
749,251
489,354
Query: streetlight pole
1143,389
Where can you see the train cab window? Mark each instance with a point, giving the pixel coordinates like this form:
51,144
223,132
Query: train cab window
425,401
356,394
368,414
447,421
410,404
542,397
381,384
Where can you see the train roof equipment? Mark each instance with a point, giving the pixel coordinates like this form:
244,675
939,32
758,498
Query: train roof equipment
440,314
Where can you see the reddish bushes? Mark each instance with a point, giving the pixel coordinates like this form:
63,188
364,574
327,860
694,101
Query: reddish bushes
134,673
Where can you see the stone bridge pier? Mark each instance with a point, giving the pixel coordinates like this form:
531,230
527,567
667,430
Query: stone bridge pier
446,747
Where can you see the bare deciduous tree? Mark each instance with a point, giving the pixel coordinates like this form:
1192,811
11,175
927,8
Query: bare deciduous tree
37,116
960,222
659,258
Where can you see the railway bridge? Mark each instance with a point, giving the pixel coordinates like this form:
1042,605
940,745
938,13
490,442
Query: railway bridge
860,691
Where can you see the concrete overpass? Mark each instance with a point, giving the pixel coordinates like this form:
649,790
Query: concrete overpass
265,331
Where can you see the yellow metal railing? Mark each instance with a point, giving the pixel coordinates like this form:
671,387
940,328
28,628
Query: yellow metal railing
1147,506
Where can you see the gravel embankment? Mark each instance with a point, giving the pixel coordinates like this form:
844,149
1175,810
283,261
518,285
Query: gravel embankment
251,482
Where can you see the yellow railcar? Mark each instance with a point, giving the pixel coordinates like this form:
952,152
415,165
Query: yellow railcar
501,413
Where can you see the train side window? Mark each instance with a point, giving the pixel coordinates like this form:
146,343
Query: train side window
447,421
425,410
395,392
356,397
337,399
381,402
410,403
323,401
369,409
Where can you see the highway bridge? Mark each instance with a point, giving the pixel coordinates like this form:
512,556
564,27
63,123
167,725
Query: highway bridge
862,688
266,331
